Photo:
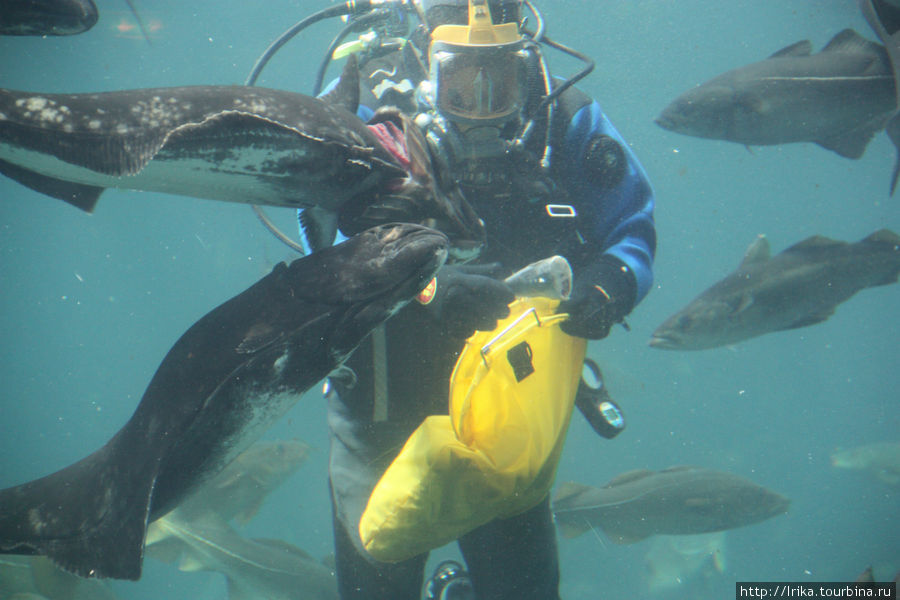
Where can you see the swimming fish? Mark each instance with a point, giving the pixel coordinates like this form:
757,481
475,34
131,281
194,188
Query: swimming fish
269,569
224,382
882,459
674,501
801,286
838,98
231,143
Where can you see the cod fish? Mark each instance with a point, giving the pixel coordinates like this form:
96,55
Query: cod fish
838,98
675,501
230,143
240,489
24,577
47,17
882,459
801,286
269,569
225,381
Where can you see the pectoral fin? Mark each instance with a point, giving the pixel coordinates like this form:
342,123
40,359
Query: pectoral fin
318,227
852,144
811,319
79,195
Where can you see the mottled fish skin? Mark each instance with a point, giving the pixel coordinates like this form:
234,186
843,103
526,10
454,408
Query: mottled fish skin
232,143
47,17
223,383
801,286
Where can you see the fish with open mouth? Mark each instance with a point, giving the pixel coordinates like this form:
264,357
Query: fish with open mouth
232,143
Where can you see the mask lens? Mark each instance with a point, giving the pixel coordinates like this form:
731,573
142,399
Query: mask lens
482,84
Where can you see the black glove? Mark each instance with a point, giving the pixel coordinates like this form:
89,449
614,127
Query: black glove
467,298
602,295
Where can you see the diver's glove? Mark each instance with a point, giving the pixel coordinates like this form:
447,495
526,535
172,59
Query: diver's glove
602,295
466,298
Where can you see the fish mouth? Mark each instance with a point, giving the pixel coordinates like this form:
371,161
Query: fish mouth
663,342
409,258
665,122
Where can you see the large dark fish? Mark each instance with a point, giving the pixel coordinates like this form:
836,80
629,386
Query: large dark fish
233,143
675,501
47,17
801,286
838,98
223,383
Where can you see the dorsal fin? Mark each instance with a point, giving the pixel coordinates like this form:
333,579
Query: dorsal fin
346,92
629,476
814,242
568,489
757,252
802,48
851,42
883,236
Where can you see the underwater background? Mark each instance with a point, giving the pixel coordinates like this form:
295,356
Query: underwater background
90,304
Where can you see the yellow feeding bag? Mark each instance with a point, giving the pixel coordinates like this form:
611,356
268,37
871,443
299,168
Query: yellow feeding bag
495,455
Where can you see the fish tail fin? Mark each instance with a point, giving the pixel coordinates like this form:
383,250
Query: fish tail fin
89,518
77,194
893,132
888,242
895,175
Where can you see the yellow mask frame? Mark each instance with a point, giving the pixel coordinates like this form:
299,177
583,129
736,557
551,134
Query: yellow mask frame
480,31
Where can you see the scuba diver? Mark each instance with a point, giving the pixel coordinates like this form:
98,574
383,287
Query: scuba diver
548,174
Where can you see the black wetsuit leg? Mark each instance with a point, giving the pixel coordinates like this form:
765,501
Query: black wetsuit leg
516,558
359,579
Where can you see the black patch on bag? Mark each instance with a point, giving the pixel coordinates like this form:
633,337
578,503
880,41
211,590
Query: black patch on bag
519,357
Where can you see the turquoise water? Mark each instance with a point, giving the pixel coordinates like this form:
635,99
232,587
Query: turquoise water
91,303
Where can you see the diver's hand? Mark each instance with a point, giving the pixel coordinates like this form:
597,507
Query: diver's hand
467,298
602,295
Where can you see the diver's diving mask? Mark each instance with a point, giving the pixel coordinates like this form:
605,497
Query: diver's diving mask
479,71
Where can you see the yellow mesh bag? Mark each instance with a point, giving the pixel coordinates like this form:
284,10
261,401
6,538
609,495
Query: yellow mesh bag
495,455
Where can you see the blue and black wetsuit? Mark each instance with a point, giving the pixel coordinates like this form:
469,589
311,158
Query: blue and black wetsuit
594,176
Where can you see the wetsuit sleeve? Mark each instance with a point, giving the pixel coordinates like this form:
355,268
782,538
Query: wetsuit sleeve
611,191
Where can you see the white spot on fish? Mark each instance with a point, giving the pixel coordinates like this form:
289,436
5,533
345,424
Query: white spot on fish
280,363
35,103
122,129
2,117
94,124
51,114
68,128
